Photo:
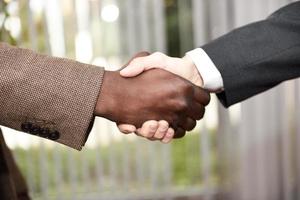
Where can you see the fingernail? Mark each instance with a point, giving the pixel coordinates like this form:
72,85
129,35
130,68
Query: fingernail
126,131
130,129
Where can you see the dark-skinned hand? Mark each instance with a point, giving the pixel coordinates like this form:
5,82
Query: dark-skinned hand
153,95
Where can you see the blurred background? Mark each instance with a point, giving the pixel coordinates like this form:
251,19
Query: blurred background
247,152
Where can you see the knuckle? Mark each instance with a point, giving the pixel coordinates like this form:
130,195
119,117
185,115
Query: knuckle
158,54
149,134
152,126
185,87
188,87
159,57
162,129
181,106
163,124
159,135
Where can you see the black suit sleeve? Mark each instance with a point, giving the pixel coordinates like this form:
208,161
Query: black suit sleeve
258,56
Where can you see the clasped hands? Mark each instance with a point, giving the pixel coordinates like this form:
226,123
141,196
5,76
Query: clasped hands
158,104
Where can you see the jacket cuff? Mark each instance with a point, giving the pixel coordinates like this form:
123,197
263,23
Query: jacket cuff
49,97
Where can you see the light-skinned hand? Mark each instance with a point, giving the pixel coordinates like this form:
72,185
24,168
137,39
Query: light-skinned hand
184,67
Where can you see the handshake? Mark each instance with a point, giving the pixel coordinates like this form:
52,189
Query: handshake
158,104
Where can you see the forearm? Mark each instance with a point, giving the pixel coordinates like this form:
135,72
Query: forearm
46,96
258,56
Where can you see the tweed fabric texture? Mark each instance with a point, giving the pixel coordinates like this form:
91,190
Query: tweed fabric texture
56,91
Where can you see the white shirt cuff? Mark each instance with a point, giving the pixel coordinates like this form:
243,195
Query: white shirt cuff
212,79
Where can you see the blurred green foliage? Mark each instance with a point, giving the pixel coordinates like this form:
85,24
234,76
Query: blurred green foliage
179,27
5,34
172,27
185,157
39,42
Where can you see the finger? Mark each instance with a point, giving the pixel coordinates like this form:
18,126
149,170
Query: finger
196,111
126,128
133,69
188,124
179,133
138,65
148,129
137,132
202,96
139,54
169,136
162,129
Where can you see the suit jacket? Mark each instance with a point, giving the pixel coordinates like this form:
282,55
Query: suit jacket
258,56
49,97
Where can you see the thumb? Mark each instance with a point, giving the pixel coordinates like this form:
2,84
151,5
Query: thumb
137,55
126,128
132,70
140,64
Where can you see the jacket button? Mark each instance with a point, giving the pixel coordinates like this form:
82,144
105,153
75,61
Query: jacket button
35,129
54,135
26,126
44,132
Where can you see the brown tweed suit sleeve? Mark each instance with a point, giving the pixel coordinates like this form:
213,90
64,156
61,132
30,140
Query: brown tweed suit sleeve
46,96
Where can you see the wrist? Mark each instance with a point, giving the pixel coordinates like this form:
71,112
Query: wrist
195,76
105,103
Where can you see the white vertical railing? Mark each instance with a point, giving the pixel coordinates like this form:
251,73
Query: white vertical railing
297,129
205,152
54,22
286,118
200,21
30,167
143,11
159,25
